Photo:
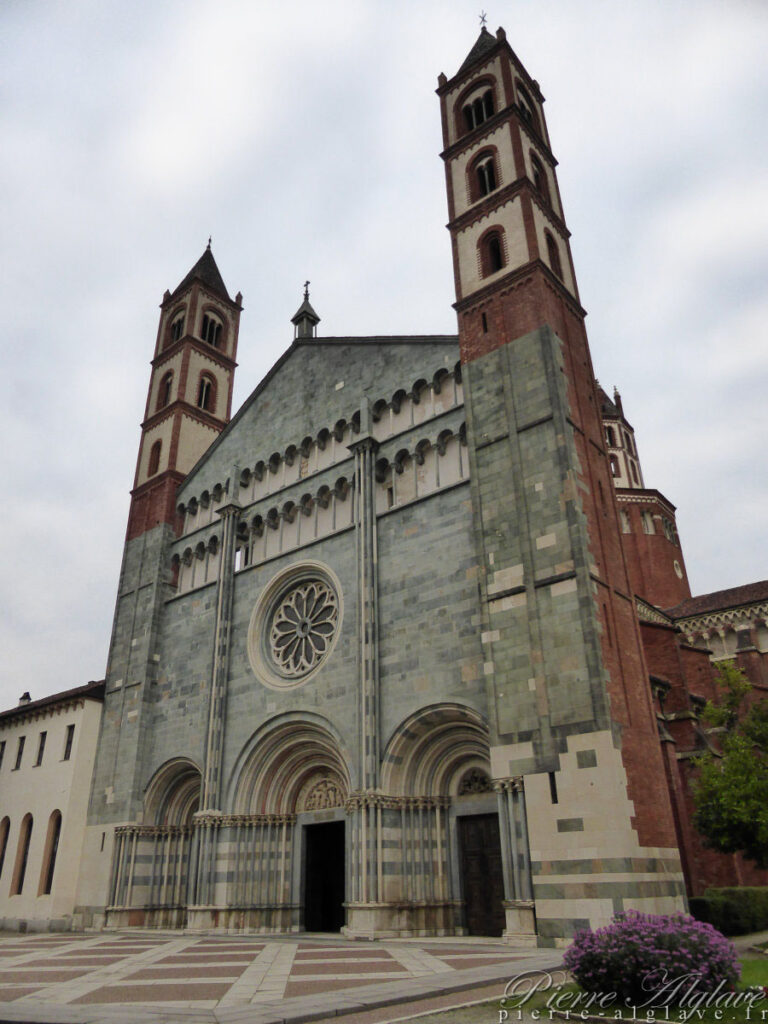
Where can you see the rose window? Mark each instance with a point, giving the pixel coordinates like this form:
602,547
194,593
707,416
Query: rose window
295,625
303,626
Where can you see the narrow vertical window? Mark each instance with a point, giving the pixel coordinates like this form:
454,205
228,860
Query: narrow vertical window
491,253
478,110
164,391
22,855
5,827
19,752
526,108
540,181
553,787
615,468
154,458
610,437
211,330
2,752
49,854
177,327
205,394
626,526
607,624
553,254
485,175
485,323
68,742
41,748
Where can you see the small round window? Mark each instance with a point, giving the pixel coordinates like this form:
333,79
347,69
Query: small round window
294,625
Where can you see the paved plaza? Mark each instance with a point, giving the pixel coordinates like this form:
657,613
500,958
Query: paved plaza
164,977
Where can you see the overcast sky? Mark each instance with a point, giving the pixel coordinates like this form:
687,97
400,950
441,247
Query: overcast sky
304,137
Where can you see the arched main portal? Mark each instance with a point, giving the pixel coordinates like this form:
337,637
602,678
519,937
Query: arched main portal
436,765
292,785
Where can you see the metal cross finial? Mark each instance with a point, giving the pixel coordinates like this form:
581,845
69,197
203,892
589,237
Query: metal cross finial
483,19
209,241
306,289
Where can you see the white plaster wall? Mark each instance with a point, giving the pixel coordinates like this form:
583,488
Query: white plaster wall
40,790
194,440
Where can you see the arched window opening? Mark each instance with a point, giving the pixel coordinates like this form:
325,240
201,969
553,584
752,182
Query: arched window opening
211,330
22,855
491,253
610,437
540,180
164,391
49,854
177,327
626,526
5,827
526,108
205,394
478,110
485,176
635,476
553,254
154,458
615,468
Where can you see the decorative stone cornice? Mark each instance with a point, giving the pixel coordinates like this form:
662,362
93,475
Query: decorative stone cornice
650,613
740,615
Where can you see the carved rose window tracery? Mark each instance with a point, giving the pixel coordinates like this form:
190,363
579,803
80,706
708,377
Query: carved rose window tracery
303,625
295,625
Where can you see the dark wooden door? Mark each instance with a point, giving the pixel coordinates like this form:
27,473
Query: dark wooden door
324,877
481,874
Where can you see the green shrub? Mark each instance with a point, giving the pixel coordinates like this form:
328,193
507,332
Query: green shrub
734,910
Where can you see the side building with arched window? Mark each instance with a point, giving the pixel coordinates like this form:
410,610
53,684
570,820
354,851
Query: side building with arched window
47,749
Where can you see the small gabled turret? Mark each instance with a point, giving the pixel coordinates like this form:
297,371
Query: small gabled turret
305,319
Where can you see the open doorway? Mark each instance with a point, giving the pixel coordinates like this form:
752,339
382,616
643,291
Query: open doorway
324,877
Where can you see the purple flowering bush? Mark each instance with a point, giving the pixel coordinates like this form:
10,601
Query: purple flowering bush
639,954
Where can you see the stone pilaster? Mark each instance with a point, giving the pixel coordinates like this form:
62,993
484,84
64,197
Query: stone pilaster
210,797
364,449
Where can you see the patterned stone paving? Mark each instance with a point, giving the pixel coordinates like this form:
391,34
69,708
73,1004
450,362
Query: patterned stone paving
74,977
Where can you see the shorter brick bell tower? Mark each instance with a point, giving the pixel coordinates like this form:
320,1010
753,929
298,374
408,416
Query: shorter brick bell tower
190,390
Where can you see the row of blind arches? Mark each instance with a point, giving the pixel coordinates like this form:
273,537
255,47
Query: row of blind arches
50,851
441,380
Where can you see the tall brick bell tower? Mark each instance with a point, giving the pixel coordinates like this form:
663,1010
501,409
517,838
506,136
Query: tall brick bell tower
572,723
188,405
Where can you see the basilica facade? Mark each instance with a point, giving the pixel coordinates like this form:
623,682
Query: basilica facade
378,661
